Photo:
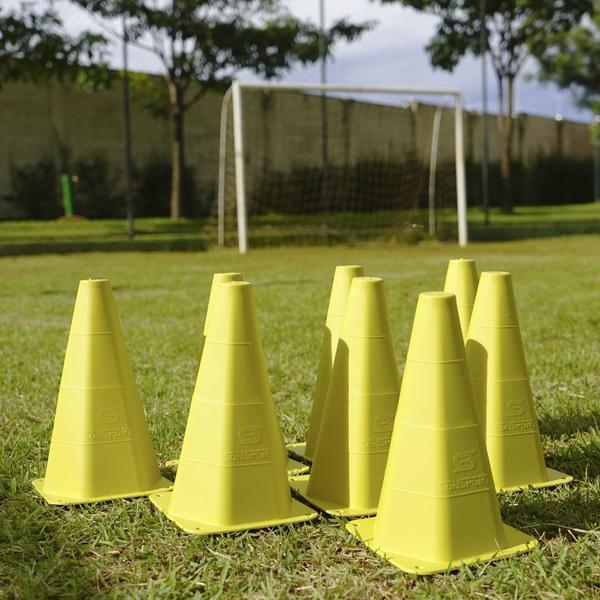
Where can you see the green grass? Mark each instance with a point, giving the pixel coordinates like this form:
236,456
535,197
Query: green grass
161,234
125,548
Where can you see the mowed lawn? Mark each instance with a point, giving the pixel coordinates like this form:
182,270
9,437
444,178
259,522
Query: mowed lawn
126,548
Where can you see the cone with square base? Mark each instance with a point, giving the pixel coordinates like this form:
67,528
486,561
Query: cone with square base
461,280
438,507
294,467
502,391
352,447
100,447
232,469
342,279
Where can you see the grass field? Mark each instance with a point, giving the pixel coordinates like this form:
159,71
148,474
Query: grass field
39,237
125,548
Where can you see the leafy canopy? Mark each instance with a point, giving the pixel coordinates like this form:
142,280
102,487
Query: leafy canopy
510,25
571,58
207,42
34,46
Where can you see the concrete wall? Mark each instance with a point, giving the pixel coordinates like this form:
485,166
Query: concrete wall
81,133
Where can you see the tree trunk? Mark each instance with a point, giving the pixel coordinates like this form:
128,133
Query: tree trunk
505,131
177,151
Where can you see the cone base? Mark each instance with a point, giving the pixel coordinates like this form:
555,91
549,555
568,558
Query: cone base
298,513
300,485
518,543
299,451
163,486
293,467
554,478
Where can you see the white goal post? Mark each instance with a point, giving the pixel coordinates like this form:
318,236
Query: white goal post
234,96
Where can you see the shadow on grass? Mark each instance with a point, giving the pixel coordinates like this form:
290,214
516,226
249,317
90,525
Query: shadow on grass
104,245
517,231
571,510
569,423
580,457
39,559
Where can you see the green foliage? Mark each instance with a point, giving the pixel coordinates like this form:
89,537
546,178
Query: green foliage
97,189
595,132
571,58
34,47
510,25
149,92
34,191
204,44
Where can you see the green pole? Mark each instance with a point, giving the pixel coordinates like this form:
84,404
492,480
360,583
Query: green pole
65,182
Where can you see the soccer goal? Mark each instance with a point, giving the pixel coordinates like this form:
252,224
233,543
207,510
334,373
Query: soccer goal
318,163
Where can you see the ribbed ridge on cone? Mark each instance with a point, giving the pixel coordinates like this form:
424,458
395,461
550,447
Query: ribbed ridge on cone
430,341
501,384
461,280
232,469
218,279
495,302
438,506
100,444
340,288
361,402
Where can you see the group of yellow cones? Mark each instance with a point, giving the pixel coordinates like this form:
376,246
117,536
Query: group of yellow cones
426,457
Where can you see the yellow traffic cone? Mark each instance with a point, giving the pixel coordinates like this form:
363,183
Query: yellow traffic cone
461,280
232,469
294,467
342,279
501,384
352,447
100,447
438,507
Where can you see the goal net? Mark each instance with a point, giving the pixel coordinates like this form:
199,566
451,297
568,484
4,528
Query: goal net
325,163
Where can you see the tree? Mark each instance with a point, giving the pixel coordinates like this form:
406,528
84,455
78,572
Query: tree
204,44
571,59
34,47
510,26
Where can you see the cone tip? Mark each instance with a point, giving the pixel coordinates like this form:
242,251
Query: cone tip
368,280
495,274
95,282
436,296
461,261
348,272
229,276
234,284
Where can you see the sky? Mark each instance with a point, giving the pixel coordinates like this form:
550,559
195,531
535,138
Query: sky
392,53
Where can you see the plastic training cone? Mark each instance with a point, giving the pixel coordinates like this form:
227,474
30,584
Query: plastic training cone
100,447
501,384
342,279
232,469
294,467
352,447
461,280
438,507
